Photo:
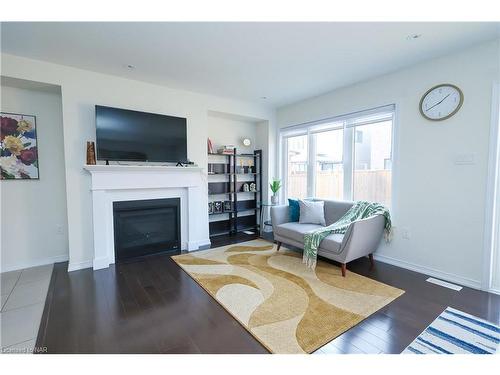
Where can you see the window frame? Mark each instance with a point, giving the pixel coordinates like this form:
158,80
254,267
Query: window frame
349,124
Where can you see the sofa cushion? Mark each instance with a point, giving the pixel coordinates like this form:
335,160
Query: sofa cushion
312,212
334,210
295,231
294,210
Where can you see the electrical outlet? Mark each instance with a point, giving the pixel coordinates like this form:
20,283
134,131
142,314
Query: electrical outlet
405,233
59,229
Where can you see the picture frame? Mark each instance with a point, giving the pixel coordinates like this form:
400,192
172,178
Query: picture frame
217,207
210,208
18,147
228,206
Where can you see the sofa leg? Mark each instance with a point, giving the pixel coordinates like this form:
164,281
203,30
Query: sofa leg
372,262
279,245
344,269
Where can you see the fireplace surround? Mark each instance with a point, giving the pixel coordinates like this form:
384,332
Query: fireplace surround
121,183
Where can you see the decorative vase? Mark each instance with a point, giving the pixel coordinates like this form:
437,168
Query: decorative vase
274,199
91,153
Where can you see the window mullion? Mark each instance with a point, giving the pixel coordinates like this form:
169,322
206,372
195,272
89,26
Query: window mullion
348,161
311,163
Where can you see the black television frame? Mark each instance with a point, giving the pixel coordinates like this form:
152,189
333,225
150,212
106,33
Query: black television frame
136,160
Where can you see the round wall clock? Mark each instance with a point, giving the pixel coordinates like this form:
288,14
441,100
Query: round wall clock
246,142
441,102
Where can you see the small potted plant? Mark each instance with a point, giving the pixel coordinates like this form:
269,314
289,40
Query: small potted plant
275,186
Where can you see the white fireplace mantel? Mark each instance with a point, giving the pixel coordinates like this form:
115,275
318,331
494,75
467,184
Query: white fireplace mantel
113,183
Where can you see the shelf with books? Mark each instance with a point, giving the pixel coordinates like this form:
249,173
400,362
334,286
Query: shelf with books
233,189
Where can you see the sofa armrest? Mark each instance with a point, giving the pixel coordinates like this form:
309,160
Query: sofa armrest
279,215
363,237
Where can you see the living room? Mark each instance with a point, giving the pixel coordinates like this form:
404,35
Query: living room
231,196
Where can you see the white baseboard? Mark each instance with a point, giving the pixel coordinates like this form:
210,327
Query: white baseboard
75,266
99,263
496,291
196,245
43,262
476,284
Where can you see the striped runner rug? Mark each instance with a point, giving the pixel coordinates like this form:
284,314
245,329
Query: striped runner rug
455,332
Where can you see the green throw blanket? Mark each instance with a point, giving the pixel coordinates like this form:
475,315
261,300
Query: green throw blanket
360,210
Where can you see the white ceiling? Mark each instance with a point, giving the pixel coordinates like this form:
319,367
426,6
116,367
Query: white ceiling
284,62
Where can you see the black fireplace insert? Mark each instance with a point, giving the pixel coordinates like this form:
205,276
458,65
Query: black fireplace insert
146,227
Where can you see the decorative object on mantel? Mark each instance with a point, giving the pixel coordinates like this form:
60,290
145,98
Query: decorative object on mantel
253,187
275,186
246,187
210,208
91,153
18,147
210,146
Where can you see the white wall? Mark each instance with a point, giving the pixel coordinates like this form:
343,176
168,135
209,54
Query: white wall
225,130
32,210
441,203
81,90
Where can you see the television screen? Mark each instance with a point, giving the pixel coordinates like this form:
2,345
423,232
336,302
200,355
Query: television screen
125,135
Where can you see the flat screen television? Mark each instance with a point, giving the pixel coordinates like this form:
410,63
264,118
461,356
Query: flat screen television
126,135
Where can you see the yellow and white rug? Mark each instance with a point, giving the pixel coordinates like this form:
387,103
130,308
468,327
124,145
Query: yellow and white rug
286,306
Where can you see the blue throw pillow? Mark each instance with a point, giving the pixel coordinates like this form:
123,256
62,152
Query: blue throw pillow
294,211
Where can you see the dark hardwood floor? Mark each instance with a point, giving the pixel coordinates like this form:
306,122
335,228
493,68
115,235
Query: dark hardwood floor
151,306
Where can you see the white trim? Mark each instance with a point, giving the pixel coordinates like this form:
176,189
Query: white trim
280,168
195,245
51,260
111,184
333,119
495,291
395,164
491,236
75,266
139,168
476,284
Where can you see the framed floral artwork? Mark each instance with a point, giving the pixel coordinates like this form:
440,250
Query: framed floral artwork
18,147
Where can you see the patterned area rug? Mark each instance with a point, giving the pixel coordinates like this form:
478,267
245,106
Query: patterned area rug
286,306
455,332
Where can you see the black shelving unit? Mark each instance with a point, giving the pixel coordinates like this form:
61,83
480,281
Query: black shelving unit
232,189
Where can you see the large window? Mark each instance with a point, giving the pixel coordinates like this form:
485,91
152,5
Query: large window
328,164
348,157
296,159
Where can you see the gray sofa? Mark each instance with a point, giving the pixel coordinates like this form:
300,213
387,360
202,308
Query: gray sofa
361,238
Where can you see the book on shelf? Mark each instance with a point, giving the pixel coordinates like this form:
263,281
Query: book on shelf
226,150
210,146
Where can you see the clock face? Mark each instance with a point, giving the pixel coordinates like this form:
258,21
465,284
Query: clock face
441,102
